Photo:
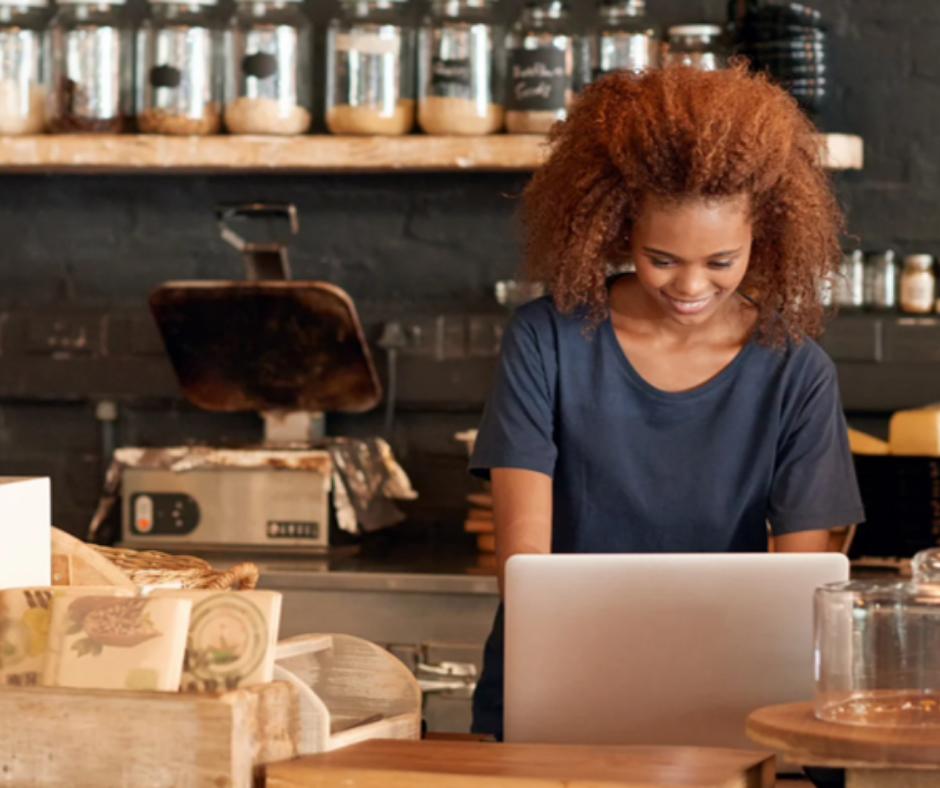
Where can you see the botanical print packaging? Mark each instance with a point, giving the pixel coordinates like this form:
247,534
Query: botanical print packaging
110,642
24,629
232,638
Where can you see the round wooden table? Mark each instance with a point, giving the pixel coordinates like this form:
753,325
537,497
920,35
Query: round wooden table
873,757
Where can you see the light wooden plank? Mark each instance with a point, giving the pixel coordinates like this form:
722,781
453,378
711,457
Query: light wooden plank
62,738
151,153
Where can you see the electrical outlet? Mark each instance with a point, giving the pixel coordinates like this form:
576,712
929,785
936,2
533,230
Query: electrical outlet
64,335
485,334
440,338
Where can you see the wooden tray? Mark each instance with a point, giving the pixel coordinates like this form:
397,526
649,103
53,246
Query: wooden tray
451,764
67,738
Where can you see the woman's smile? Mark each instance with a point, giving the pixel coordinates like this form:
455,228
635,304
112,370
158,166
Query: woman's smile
686,306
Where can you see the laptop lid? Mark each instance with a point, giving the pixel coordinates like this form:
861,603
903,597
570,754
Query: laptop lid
657,649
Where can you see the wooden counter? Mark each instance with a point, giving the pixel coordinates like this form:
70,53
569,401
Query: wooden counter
132,153
456,764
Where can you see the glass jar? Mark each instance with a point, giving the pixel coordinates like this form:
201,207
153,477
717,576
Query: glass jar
850,293
178,69
877,649
460,65
540,68
918,284
22,67
699,46
370,69
92,68
881,281
268,69
626,39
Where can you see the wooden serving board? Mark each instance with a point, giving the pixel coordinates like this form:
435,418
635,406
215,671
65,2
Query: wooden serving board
454,764
794,729
67,738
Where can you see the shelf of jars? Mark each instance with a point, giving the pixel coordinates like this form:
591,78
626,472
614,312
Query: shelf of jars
129,153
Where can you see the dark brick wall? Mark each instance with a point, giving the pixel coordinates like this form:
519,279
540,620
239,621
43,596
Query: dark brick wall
401,245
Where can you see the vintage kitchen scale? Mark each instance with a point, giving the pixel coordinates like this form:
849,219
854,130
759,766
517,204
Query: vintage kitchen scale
288,350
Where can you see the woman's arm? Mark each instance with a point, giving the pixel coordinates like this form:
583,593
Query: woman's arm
522,512
802,542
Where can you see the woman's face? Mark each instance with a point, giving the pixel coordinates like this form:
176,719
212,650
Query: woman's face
691,258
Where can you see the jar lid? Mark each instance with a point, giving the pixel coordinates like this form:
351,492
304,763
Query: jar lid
695,31
923,262
25,3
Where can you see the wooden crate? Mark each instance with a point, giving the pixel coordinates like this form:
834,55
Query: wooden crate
66,738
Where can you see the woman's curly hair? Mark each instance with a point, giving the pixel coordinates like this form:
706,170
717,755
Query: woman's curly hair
671,135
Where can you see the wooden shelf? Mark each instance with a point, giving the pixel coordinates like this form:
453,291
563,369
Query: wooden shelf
147,153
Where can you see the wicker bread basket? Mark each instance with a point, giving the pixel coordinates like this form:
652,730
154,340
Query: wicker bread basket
153,568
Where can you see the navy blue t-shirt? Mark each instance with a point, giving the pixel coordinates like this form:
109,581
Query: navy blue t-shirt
640,470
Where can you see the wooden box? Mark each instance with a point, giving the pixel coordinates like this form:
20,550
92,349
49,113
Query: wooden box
65,738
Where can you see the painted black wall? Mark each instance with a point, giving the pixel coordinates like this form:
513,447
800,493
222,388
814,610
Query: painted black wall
400,244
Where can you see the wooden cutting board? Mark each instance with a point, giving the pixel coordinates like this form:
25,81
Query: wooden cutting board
449,764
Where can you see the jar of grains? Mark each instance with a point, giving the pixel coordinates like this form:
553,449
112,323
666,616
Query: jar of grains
461,69
22,66
918,284
92,67
698,46
179,82
370,68
626,40
540,67
268,69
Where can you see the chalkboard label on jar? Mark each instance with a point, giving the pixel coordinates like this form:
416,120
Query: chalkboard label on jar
537,79
260,65
448,75
165,77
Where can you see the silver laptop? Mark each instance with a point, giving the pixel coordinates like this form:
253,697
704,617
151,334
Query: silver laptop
657,649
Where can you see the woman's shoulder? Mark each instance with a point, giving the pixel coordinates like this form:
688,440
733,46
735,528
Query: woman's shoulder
803,362
543,319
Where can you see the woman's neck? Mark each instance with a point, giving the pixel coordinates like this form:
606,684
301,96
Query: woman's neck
633,310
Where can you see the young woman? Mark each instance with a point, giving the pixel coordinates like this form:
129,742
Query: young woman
683,407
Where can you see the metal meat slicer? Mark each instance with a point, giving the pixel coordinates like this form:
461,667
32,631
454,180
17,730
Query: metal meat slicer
290,351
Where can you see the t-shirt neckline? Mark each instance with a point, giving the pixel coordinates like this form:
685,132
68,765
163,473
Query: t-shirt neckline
725,374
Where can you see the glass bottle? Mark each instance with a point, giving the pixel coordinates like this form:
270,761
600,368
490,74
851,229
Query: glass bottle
22,66
178,75
370,69
460,66
626,39
851,283
540,67
699,46
92,67
268,69
918,284
881,281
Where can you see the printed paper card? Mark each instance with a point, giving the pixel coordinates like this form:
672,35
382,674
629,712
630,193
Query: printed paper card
106,642
25,615
232,638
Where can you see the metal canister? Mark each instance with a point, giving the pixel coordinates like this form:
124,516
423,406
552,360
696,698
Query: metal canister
850,288
881,280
